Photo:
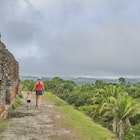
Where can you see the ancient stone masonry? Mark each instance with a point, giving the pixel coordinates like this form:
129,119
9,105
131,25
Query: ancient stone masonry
9,79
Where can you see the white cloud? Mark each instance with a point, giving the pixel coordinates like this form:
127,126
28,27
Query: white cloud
80,37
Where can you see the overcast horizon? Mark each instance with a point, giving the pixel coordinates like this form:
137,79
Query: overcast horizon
96,38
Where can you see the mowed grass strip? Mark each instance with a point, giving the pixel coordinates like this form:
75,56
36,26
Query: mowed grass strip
78,122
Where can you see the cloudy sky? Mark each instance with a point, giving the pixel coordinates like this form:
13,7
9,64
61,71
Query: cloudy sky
73,37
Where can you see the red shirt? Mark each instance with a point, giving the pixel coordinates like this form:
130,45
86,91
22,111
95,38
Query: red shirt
39,86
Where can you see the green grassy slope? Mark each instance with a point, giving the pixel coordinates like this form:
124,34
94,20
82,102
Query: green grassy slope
77,121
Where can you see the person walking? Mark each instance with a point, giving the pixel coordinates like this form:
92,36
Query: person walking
39,87
28,98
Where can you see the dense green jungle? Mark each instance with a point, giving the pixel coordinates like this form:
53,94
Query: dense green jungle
116,106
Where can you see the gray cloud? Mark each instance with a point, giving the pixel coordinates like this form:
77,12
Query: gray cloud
73,37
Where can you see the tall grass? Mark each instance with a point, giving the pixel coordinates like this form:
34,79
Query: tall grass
17,101
4,124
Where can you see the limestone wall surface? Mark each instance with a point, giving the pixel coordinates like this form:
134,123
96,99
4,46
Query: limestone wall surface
9,79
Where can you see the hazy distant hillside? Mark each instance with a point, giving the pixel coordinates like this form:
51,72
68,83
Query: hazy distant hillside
34,78
84,80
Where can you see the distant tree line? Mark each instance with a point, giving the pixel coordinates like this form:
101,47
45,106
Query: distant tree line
113,105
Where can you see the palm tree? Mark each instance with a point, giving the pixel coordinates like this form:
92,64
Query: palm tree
102,99
121,109
116,105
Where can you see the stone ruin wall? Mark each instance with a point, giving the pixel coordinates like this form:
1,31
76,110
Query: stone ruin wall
9,80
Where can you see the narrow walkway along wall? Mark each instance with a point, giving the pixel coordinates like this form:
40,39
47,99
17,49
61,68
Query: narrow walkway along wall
9,79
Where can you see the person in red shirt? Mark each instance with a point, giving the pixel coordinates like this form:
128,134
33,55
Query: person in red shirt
39,87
